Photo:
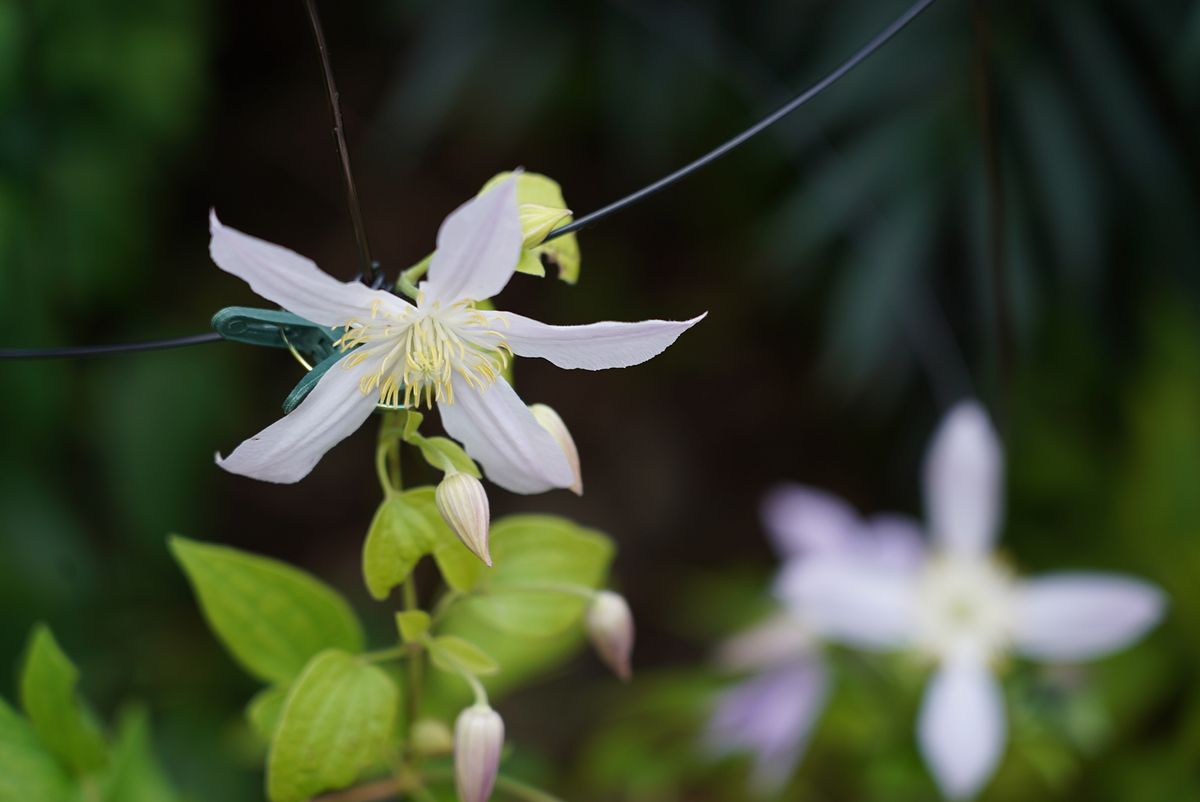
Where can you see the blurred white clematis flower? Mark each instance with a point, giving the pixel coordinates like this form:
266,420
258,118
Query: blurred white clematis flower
772,713
965,609
443,350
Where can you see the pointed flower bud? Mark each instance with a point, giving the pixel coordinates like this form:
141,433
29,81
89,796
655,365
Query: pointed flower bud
537,221
551,422
610,626
478,737
463,502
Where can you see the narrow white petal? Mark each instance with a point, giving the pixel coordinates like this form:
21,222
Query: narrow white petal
780,639
293,281
852,601
1077,616
771,715
503,436
478,246
596,346
287,450
803,520
963,481
962,729
894,541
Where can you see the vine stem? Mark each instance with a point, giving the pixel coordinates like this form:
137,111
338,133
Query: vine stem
415,673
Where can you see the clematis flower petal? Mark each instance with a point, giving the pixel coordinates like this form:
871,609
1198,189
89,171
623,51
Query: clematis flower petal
803,520
287,450
853,601
502,435
780,639
963,481
478,246
595,346
293,281
961,728
1076,616
894,541
771,715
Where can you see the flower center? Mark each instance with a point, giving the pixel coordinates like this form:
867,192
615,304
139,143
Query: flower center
965,604
413,355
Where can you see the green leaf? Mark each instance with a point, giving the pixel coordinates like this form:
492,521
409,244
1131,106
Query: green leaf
561,252
60,719
135,775
445,454
406,527
533,553
453,654
264,710
27,770
413,624
271,617
338,718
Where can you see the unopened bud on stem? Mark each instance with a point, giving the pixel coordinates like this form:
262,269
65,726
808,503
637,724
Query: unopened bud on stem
551,422
463,503
478,738
610,626
537,221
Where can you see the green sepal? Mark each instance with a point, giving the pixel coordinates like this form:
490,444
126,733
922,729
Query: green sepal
337,721
561,252
406,527
271,616
63,723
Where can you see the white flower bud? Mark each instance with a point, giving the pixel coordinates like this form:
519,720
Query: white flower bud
551,422
478,738
610,626
463,502
537,221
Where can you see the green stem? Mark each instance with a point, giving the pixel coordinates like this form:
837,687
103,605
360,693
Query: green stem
415,673
385,655
519,790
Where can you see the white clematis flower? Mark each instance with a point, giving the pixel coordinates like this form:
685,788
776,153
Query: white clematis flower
965,609
772,713
443,350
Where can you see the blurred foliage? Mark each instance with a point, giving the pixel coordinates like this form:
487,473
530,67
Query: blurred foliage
843,254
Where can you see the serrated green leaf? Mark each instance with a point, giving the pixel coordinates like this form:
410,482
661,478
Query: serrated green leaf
59,717
532,553
135,774
27,770
407,526
413,624
271,617
337,720
561,252
445,455
453,654
264,710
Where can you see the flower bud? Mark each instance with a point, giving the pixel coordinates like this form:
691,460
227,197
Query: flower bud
610,626
431,737
551,422
478,738
463,502
537,221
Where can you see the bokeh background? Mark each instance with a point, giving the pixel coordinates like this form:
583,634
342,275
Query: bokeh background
1001,203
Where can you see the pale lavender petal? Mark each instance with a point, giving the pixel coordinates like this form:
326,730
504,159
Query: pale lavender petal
782,638
289,448
961,728
1077,616
894,541
963,481
771,716
851,601
595,346
294,282
478,247
803,520
502,435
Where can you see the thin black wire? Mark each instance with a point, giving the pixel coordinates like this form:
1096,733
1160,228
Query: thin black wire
820,86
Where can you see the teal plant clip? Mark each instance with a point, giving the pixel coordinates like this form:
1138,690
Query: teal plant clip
311,345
